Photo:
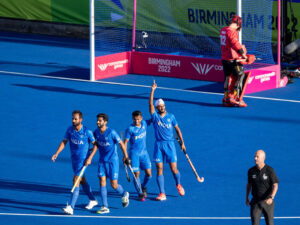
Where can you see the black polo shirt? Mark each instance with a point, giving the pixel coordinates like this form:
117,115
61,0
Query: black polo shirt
262,182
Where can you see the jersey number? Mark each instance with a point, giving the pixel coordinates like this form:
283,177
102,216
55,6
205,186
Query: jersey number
223,39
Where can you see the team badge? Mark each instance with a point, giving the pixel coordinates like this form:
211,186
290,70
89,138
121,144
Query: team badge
265,177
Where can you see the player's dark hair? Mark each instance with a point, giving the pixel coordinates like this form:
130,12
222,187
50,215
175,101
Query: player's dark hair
103,115
78,112
136,113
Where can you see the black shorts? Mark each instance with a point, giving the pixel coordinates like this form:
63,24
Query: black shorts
232,67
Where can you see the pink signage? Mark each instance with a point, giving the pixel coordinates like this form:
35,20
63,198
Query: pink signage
154,64
261,80
177,66
112,65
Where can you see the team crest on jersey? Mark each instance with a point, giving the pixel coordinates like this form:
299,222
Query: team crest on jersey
265,177
254,176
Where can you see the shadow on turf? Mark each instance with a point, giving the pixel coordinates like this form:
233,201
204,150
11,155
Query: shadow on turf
32,206
105,94
64,71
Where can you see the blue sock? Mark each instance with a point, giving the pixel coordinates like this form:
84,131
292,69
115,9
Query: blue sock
177,178
74,197
103,194
161,183
88,190
146,180
120,189
138,184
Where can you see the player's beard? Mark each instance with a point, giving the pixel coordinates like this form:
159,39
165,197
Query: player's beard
76,124
161,111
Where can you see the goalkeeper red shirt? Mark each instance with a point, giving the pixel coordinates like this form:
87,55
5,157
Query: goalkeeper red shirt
230,44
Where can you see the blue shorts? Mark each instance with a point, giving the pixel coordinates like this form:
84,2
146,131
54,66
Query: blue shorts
77,166
164,151
78,163
109,169
140,161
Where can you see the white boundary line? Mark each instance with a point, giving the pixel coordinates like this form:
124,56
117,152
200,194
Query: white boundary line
139,85
144,217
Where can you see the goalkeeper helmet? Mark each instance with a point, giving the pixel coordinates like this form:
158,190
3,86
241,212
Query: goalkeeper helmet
236,19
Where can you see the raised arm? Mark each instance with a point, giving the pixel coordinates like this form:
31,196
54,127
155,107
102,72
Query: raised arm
151,106
59,149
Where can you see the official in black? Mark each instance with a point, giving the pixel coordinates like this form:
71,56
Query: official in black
263,182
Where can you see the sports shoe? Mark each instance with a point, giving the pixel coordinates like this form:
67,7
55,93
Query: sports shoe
142,197
103,210
68,210
125,199
180,189
233,101
92,204
225,102
242,104
144,190
161,197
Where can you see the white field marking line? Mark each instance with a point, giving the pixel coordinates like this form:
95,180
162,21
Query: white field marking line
144,217
139,85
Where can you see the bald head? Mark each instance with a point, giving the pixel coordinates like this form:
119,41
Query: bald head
259,158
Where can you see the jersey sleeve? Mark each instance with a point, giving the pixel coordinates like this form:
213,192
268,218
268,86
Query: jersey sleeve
249,179
174,121
127,133
116,138
91,136
274,178
154,116
233,39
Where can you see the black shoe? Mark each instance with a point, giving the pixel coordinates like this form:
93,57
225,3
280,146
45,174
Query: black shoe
144,190
142,197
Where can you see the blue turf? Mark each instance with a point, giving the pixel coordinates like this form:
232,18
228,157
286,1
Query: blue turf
221,142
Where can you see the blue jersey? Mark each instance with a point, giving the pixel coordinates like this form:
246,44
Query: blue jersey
79,142
163,126
107,144
137,137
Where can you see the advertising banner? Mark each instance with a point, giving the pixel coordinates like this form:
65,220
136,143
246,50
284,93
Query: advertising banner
112,65
177,66
172,16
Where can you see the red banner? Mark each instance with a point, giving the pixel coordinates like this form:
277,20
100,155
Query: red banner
112,65
177,66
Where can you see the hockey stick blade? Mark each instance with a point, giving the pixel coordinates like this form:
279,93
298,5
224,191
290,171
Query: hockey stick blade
199,179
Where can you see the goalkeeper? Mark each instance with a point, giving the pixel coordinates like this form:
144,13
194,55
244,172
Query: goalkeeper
232,54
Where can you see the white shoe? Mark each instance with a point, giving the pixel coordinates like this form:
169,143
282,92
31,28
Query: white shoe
103,210
91,204
125,199
68,210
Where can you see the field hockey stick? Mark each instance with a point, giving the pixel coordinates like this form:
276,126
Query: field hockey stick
190,162
134,177
126,171
78,178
